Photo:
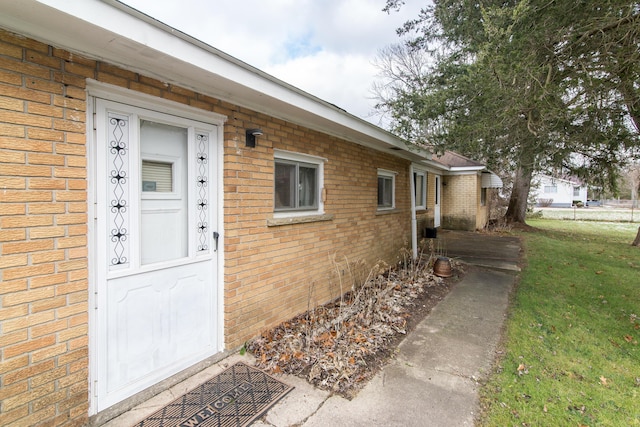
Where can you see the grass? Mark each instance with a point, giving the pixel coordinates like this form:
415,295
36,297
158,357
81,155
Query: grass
571,353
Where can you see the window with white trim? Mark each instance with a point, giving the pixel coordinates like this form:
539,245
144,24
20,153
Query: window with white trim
298,179
386,189
576,191
157,176
420,188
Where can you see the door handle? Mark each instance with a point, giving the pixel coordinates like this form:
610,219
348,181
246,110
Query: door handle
215,237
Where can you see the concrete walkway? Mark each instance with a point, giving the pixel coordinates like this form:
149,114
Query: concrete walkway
433,381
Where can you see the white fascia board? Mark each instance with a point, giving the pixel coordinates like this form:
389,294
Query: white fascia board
566,181
447,170
430,167
115,33
435,167
466,170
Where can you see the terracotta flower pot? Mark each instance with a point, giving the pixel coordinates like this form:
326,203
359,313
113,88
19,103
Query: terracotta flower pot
442,267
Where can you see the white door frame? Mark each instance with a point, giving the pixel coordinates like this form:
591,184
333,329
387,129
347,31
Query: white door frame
437,201
116,94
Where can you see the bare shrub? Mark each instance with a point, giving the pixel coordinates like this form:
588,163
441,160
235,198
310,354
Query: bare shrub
333,345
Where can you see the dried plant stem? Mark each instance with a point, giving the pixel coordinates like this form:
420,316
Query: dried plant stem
331,345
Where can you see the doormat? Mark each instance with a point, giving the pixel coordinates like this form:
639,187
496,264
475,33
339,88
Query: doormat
234,398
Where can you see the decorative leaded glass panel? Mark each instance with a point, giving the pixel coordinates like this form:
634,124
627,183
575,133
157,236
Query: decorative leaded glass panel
118,189
202,186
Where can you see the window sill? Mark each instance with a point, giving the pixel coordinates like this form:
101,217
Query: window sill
276,222
387,211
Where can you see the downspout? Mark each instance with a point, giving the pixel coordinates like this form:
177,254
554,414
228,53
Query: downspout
414,221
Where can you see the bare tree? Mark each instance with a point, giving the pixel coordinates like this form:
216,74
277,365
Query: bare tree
527,85
631,176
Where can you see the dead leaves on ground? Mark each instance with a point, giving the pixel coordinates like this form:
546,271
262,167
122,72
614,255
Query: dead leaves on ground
338,346
522,369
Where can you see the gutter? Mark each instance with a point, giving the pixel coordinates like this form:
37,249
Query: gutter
394,141
414,220
112,31
129,10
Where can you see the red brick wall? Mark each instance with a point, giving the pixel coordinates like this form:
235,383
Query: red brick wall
270,271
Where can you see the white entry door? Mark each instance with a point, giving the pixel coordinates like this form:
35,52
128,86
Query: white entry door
155,244
436,203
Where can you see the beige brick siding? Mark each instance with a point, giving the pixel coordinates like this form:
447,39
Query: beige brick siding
275,272
271,272
43,237
460,201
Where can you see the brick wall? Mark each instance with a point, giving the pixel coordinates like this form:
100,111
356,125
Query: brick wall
272,272
43,236
460,201
275,272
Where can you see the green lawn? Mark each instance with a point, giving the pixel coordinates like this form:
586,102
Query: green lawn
571,355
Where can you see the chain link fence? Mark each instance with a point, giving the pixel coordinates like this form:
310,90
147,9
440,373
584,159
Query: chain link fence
620,211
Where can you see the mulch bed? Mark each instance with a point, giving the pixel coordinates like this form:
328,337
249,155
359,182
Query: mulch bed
341,345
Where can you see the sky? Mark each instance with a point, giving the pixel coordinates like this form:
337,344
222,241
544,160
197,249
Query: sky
324,47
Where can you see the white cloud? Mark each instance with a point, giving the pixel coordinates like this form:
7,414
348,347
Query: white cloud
343,80
325,48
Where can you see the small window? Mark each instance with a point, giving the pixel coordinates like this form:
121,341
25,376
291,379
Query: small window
297,183
386,188
157,176
550,188
483,197
420,187
576,191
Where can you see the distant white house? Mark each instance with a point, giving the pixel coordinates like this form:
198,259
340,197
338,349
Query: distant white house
558,192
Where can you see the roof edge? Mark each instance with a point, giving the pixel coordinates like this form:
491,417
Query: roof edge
114,32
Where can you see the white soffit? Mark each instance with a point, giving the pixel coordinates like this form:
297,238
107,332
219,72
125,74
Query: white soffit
113,32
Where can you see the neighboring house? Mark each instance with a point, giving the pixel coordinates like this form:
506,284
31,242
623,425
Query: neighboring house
552,191
163,202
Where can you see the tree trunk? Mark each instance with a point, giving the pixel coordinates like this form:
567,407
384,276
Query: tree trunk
636,242
517,210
